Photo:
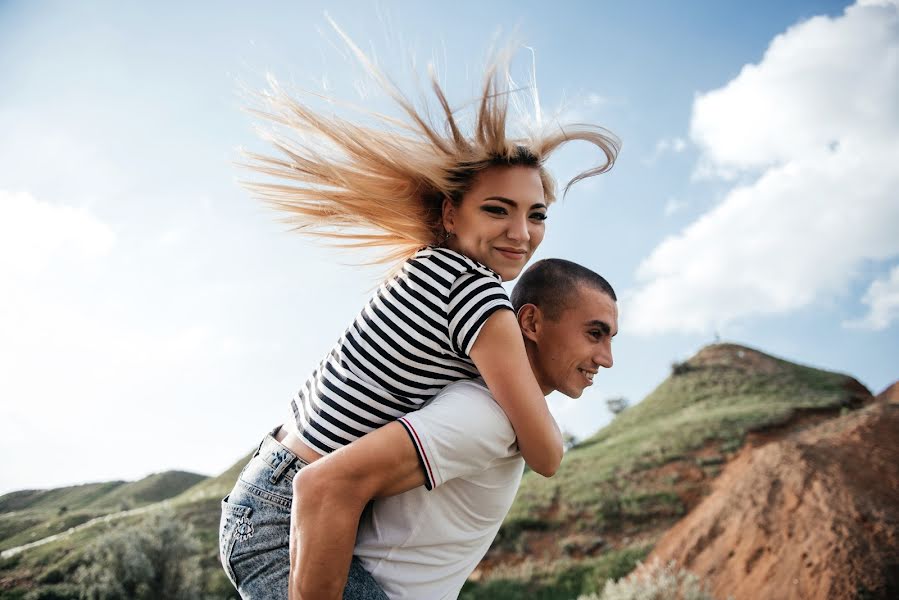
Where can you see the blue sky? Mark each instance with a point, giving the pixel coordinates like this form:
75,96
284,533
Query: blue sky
153,316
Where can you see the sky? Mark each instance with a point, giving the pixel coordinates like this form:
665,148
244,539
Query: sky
154,316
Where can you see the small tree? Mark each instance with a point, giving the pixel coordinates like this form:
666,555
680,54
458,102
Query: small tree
617,404
569,440
157,558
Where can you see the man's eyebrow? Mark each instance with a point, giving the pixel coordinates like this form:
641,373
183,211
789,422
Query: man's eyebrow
511,202
601,325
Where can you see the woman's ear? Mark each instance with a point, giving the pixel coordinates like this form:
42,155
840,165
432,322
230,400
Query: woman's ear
529,320
449,216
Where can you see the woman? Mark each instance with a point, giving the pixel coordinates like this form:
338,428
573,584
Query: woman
460,213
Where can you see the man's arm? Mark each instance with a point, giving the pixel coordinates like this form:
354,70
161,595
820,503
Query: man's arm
328,498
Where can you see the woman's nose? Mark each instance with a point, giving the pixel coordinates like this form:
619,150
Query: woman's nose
518,230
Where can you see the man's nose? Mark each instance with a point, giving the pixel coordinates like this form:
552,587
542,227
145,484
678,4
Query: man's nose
603,356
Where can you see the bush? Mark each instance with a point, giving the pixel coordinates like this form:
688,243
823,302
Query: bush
680,368
63,591
655,582
156,558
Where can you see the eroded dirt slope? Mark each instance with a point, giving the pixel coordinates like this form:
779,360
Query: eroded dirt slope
814,515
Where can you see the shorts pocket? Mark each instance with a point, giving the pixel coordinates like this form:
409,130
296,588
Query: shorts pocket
235,525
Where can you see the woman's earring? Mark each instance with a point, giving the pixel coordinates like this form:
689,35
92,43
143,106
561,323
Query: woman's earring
447,235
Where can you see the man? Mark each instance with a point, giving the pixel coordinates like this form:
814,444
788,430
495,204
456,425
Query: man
455,459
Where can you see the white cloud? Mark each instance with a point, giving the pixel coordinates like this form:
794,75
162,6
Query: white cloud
675,145
882,299
815,128
673,205
594,99
33,232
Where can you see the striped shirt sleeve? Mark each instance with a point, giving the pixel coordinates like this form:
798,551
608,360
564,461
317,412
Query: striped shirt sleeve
473,297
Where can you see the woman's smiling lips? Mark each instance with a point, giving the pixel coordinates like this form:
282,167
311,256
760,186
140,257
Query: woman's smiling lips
512,253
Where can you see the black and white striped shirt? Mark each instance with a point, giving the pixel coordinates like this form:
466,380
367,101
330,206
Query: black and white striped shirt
410,341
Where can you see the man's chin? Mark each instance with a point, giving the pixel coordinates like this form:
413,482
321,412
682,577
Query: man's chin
574,393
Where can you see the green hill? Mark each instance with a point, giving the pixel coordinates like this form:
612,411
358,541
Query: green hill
32,515
153,488
618,490
612,498
215,487
70,498
719,395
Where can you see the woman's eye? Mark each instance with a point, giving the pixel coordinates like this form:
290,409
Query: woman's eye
538,216
496,210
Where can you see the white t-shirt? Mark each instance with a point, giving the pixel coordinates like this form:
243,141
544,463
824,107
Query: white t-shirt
424,544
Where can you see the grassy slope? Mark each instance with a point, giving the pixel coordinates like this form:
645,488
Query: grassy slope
215,487
717,397
711,400
71,498
39,514
153,488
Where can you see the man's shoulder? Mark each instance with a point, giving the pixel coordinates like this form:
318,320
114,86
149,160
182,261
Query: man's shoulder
473,394
467,387
464,404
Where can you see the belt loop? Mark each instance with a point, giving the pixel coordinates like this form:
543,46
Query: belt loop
259,448
283,466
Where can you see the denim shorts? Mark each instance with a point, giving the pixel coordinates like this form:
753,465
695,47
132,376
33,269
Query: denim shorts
254,532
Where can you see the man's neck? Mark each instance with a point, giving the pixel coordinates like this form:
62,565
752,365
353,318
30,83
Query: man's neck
532,359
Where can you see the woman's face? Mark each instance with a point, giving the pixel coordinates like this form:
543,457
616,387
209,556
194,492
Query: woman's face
500,220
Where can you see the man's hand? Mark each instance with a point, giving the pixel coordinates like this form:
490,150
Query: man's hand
328,498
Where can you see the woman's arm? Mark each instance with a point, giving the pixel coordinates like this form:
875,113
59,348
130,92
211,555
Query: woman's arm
500,356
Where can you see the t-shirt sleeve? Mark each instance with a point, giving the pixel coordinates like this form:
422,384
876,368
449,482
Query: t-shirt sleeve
463,431
473,297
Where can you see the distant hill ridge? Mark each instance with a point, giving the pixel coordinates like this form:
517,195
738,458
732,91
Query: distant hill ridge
30,515
103,495
216,487
71,497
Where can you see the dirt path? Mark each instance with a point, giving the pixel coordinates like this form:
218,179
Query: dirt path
104,519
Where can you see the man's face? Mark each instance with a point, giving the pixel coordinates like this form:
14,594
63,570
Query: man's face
570,350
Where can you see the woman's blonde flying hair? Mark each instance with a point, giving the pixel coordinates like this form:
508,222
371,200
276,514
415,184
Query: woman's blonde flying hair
384,187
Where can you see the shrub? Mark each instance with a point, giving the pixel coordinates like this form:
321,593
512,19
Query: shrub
510,537
63,591
679,368
655,582
157,558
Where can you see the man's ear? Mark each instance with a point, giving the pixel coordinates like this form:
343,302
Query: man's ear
530,319
449,216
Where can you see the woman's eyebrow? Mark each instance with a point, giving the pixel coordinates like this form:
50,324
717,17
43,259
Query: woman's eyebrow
511,202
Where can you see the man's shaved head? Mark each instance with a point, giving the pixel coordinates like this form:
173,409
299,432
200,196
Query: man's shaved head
553,284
